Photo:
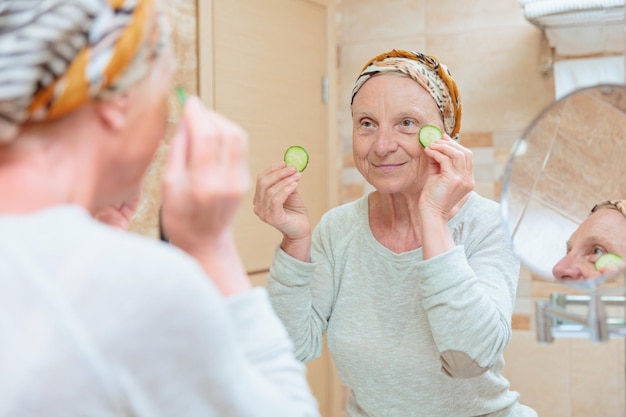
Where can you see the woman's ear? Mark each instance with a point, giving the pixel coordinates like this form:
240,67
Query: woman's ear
114,112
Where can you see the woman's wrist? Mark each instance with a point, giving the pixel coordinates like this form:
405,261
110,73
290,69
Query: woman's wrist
299,249
436,236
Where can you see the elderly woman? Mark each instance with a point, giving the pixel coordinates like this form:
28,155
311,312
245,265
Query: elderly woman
414,283
95,321
602,233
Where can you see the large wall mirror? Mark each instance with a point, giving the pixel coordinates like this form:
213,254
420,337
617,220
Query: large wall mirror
572,156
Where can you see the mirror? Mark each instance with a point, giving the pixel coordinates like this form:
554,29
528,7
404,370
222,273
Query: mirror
572,156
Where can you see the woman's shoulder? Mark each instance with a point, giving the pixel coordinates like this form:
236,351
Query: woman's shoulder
347,210
105,274
478,215
149,261
66,240
480,208
343,218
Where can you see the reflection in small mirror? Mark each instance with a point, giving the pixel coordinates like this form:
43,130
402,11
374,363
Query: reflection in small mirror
571,157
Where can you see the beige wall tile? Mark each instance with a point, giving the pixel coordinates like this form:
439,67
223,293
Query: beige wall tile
506,139
497,191
348,160
450,16
542,288
485,189
497,72
524,306
375,19
540,373
502,155
352,192
477,139
525,275
524,289
483,155
484,173
521,322
597,378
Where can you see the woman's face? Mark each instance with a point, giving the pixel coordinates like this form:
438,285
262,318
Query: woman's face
604,231
387,114
147,125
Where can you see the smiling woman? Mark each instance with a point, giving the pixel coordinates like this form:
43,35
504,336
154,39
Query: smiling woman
413,284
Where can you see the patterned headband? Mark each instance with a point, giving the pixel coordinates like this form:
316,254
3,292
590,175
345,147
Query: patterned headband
428,72
58,54
619,205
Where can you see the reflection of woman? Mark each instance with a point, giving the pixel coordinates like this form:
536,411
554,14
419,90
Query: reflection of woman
95,321
414,284
604,231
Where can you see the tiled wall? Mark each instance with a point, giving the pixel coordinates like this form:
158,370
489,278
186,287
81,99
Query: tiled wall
182,17
495,56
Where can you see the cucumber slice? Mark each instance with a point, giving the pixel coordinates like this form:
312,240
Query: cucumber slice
181,94
429,134
296,156
608,259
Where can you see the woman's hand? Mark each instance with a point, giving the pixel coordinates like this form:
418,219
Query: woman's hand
119,215
277,203
205,179
449,181
450,178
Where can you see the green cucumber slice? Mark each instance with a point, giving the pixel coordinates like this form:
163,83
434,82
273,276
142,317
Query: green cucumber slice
429,134
608,259
181,94
296,156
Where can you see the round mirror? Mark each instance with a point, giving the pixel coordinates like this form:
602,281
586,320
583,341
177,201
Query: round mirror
571,157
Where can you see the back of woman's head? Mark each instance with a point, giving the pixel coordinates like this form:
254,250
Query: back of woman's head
56,55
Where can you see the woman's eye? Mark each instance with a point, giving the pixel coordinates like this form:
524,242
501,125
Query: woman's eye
408,123
366,123
598,251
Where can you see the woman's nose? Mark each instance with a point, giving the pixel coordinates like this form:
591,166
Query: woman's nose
385,141
567,268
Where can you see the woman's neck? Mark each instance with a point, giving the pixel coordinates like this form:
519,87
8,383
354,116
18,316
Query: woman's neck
394,222
36,173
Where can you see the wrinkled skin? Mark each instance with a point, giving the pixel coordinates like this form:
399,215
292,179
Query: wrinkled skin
604,231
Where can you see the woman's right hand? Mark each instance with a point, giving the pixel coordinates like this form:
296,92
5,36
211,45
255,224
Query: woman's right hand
278,203
204,181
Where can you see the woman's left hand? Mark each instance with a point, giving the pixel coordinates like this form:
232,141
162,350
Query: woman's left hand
450,177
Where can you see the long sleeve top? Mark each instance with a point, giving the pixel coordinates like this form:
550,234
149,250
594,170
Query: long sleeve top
99,322
409,337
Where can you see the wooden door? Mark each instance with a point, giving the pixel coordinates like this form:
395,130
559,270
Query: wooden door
269,63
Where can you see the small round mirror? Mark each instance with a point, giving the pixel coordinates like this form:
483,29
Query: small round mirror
571,157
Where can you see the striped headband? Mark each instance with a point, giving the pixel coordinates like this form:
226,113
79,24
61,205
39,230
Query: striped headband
619,205
55,55
428,72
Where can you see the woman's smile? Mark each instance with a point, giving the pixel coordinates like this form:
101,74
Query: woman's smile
388,167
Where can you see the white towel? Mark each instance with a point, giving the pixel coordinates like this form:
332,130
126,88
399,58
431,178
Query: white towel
573,74
538,8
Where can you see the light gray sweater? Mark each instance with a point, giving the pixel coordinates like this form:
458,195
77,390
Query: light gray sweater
409,337
102,323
